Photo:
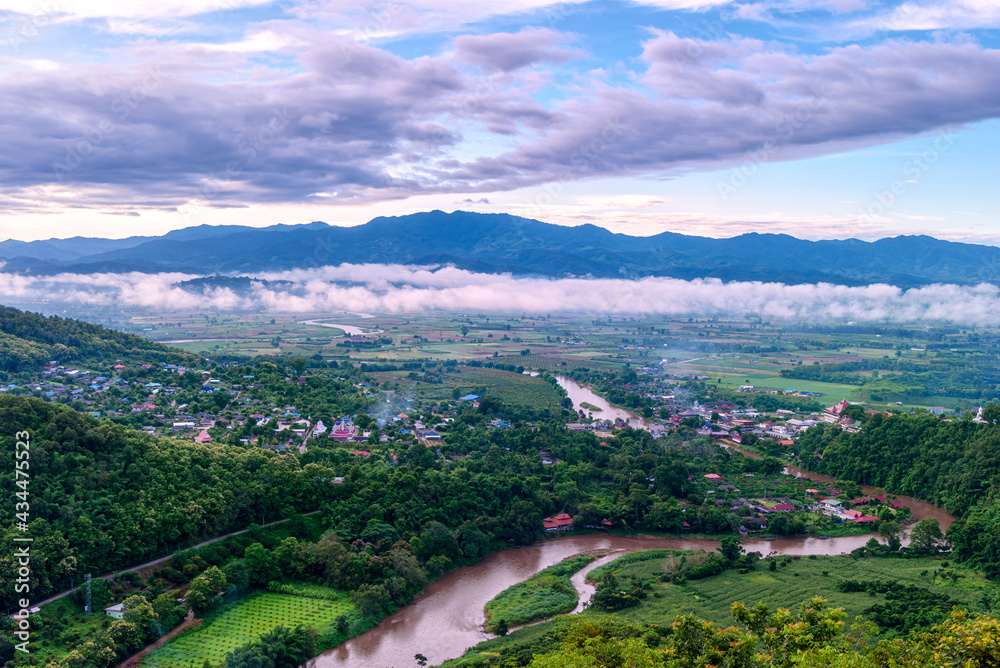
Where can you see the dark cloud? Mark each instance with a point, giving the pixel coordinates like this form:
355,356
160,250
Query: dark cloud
717,102
507,52
188,122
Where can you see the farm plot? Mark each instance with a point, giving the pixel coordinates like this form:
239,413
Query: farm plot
793,582
243,623
504,385
556,364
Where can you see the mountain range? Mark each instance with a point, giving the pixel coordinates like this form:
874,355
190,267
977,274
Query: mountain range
497,243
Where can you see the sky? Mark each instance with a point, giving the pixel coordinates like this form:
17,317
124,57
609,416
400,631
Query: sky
817,118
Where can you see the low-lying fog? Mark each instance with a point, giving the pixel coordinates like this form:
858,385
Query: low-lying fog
397,288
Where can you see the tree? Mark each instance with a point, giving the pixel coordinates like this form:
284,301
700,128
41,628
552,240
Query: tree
259,564
731,548
420,658
371,599
523,522
125,636
6,649
205,588
890,530
437,540
168,611
501,627
236,575
138,612
343,626
926,535
298,365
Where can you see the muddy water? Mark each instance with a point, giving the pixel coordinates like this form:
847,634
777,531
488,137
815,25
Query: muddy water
581,393
446,619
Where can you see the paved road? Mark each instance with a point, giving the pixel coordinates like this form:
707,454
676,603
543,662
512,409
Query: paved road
163,559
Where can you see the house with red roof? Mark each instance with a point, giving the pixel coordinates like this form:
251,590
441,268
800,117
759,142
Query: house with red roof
561,522
343,431
783,507
832,414
203,437
715,477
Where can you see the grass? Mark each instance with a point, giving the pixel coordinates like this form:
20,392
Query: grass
507,386
250,617
549,592
788,586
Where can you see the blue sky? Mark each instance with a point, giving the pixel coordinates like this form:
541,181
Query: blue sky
817,118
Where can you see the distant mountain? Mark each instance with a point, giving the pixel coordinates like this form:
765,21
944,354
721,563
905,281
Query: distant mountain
496,243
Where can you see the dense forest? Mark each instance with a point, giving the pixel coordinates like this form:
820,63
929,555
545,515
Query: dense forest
28,340
103,496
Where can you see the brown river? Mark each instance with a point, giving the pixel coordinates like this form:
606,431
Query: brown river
447,617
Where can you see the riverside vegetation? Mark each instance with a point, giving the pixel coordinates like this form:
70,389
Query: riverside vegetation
107,497
549,592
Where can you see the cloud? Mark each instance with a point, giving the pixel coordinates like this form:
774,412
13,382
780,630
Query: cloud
123,8
350,123
714,102
507,52
942,14
404,289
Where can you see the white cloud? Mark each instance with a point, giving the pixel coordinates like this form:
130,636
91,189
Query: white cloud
405,289
945,14
129,9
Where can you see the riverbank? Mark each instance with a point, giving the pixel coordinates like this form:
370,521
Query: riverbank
792,582
447,617
584,398
545,594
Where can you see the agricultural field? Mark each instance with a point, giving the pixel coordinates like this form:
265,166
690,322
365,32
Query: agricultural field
793,581
561,362
937,362
787,586
242,622
548,592
508,386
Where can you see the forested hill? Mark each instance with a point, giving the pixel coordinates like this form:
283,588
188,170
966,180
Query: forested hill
102,496
29,340
954,464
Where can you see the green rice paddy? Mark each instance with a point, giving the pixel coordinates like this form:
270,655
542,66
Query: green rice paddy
244,622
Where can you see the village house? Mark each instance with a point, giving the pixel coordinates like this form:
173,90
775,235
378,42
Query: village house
561,522
832,414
